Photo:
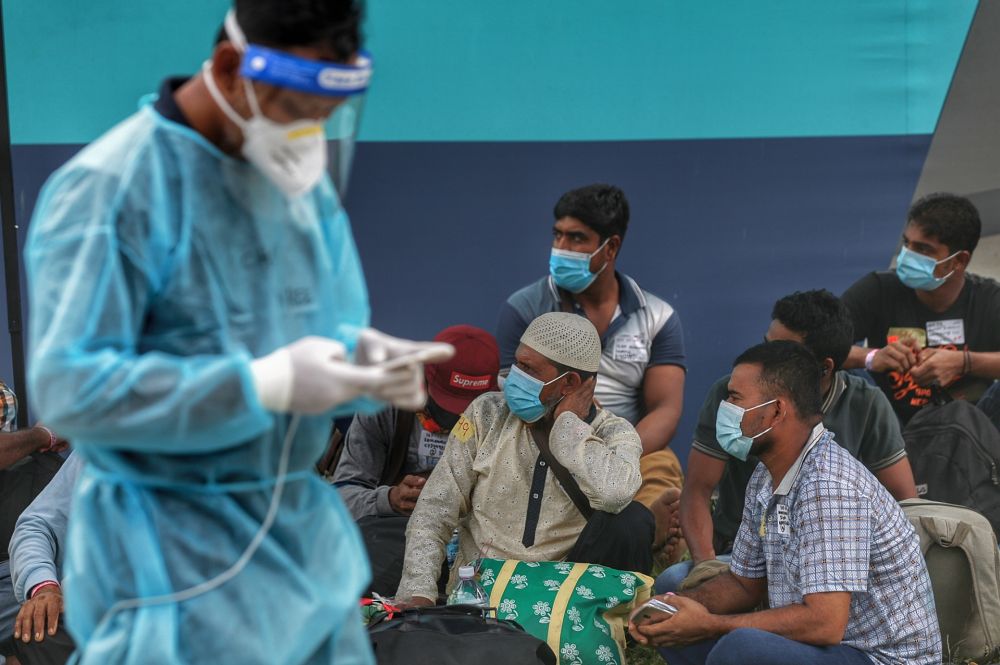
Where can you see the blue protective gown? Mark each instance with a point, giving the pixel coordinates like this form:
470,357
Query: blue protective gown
158,268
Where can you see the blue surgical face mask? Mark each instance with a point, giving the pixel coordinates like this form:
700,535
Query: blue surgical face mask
729,429
524,394
917,271
571,270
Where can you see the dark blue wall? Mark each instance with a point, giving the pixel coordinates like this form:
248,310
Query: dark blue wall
720,228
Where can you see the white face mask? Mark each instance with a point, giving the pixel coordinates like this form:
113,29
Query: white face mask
292,155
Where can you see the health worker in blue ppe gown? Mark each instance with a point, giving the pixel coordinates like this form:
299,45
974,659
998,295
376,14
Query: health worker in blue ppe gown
198,314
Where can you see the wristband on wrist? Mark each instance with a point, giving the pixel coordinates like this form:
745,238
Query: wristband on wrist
42,585
52,437
967,363
869,358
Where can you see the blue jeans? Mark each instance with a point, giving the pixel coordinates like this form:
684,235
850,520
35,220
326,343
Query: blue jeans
671,578
749,646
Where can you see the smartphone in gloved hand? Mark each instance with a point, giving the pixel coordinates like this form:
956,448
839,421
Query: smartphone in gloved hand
415,358
376,349
653,609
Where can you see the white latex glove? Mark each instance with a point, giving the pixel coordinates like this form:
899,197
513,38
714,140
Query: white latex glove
376,347
312,376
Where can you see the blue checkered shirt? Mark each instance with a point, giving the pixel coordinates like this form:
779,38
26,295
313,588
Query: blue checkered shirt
831,526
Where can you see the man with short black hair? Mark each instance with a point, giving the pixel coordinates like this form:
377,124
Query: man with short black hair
929,326
642,370
856,412
821,540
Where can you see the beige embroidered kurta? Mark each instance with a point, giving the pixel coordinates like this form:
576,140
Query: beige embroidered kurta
483,486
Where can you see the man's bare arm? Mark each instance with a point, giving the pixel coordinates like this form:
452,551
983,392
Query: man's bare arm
663,393
729,593
16,445
703,476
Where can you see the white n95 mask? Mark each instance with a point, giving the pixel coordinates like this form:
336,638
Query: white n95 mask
292,155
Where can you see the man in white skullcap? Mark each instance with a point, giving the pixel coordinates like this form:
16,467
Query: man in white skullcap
538,472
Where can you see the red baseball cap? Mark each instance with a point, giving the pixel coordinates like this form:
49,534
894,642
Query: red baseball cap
471,372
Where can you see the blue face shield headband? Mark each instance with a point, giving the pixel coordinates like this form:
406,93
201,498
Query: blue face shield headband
289,71
296,165
317,78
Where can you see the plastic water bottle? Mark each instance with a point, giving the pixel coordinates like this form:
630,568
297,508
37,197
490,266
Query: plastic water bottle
452,548
468,591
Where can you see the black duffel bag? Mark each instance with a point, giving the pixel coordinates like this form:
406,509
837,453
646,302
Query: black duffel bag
454,635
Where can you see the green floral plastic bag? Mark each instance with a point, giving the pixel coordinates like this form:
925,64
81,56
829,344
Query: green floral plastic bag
580,610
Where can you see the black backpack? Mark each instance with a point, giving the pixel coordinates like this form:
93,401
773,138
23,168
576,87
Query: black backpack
455,635
954,450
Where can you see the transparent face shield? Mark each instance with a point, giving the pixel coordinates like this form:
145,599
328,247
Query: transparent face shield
341,134
347,82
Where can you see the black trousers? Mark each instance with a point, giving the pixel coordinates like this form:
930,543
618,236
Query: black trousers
623,541
53,650
385,540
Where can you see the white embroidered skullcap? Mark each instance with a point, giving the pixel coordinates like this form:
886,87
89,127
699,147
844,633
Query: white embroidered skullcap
568,339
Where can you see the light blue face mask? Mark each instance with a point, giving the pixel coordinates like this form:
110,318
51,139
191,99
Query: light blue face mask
729,429
571,270
917,271
524,394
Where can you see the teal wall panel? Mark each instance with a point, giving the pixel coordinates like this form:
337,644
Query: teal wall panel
77,67
461,70
592,69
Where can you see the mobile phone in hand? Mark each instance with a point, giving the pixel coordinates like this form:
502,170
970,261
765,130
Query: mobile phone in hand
414,358
653,609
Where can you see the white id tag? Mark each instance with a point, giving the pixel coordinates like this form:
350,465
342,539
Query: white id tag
430,449
782,519
941,333
630,348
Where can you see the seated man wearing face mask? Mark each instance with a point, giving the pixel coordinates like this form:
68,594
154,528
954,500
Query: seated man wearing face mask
642,370
856,411
388,456
821,540
930,325
501,478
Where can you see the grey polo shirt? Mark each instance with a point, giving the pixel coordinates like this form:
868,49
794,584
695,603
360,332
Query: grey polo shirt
645,332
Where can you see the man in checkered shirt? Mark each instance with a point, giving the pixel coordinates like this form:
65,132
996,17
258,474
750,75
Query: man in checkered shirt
821,540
